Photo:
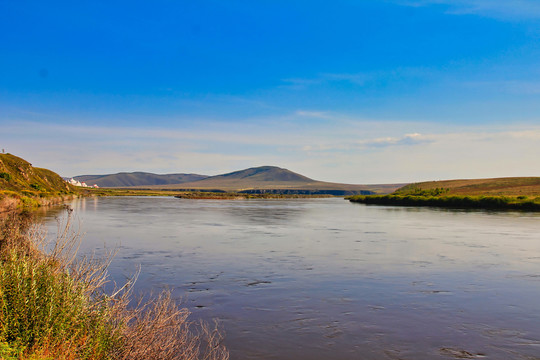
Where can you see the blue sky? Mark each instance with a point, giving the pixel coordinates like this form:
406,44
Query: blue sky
346,91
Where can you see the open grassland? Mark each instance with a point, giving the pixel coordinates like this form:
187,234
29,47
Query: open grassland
511,186
290,187
242,196
53,306
192,194
125,192
501,193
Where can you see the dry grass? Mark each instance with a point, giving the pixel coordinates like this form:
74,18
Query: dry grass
512,186
160,330
53,306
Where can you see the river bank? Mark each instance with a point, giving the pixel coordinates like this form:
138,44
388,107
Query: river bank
199,195
327,279
17,202
521,203
54,305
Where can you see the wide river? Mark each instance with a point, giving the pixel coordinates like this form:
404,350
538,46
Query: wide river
327,279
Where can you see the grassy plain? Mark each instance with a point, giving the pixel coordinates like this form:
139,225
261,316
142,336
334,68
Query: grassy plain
242,196
191,194
509,186
516,193
269,186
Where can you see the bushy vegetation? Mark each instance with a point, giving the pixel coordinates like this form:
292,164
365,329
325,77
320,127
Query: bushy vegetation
453,201
500,193
193,194
53,306
416,191
242,195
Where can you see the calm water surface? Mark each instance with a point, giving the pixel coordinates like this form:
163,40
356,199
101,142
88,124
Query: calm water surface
328,279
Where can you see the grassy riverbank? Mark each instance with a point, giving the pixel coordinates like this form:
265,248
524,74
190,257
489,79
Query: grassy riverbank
453,201
242,196
510,186
497,194
193,194
53,306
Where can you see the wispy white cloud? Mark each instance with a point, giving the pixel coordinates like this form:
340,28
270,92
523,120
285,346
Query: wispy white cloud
407,139
339,149
501,9
361,79
314,114
519,87
380,142
357,79
470,153
299,83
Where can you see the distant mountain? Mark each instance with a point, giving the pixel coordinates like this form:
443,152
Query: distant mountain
272,179
263,177
125,179
271,174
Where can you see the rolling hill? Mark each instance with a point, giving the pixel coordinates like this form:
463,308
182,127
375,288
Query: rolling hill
19,175
125,179
509,186
23,186
272,179
510,193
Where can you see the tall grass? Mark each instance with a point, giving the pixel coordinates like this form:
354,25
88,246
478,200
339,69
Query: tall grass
523,203
53,306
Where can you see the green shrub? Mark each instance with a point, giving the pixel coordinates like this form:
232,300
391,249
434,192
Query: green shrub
5,176
28,203
416,191
9,353
53,307
37,187
44,307
451,201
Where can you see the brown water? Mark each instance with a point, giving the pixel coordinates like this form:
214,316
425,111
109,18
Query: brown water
328,279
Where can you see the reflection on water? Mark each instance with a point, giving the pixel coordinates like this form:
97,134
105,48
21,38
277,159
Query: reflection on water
273,214
327,279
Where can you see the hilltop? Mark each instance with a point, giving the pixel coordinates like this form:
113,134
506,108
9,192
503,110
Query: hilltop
273,179
124,179
23,184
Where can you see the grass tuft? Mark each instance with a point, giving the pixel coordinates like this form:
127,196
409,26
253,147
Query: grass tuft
53,306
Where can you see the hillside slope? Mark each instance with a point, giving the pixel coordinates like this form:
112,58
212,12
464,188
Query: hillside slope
272,179
21,184
262,174
512,193
17,174
124,179
510,186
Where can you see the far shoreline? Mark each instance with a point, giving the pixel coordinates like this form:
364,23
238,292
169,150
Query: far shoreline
519,203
